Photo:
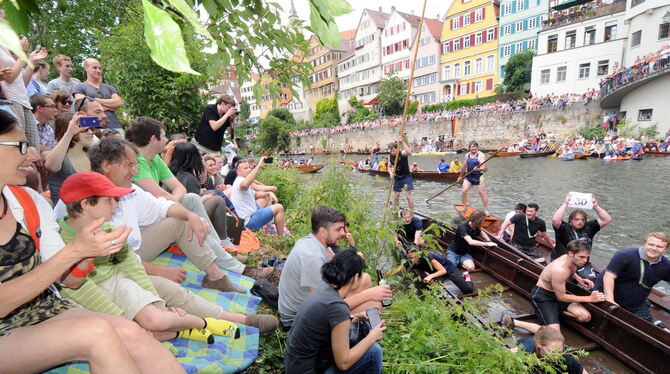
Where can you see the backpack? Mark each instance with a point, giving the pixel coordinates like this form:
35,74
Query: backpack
267,291
30,213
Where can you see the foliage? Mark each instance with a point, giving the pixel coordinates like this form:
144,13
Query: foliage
626,128
287,182
273,134
391,97
327,112
413,108
518,72
455,104
148,89
244,111
283,114
360,112
651,131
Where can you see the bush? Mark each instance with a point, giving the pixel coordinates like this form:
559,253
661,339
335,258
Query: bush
287,182
455,104
413,108
590,132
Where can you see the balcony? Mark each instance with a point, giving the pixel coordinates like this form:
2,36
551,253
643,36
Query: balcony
578,13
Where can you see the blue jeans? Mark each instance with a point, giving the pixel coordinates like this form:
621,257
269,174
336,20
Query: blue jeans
370,363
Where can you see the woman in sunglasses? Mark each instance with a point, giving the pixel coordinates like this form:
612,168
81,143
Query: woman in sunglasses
63,101
31,310
69,154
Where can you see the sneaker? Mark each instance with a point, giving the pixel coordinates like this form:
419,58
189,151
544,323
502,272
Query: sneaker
200,335
224,285
241,258
507,320
222,327
258,273
467,277
266,323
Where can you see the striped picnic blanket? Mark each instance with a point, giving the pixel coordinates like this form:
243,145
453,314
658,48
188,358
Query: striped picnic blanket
226,355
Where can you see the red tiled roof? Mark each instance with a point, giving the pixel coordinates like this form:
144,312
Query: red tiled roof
435,27
348,34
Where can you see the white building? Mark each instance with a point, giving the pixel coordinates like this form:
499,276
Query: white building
426,85
576,52
246,90
360,74
298,104
397,43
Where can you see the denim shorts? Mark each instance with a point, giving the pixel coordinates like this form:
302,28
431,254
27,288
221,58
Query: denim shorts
457,259
259,219
407,181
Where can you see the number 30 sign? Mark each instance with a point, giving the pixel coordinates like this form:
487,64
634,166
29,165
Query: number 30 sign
581,200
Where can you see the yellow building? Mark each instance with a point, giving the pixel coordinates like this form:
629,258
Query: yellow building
469,66
267,102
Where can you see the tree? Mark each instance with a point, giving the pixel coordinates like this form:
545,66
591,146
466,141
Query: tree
245,111
518,72
413,107
148,89
273,133
283,114
327,112
391,95
360,112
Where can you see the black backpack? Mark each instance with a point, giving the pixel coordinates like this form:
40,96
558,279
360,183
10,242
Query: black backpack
267,291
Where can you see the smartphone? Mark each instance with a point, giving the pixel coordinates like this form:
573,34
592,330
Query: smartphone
373,317
269,160
89,122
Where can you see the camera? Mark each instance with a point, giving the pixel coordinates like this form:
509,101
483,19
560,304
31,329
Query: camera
269,160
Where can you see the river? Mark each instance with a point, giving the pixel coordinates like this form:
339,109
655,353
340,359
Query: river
634,193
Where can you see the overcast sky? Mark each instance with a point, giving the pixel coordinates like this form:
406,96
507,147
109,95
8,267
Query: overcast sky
350,21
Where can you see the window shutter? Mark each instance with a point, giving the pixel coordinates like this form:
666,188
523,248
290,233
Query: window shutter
472,87
483,13
472,39
489,84
451,24
451,45
472,17
458,89
495,33
460,20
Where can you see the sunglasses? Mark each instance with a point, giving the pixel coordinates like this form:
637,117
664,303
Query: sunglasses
66,102
22,146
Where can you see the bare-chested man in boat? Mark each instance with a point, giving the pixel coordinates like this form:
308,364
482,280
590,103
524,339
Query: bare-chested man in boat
549,296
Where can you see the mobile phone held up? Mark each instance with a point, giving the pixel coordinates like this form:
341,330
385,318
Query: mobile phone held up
269,160
89,122
373,317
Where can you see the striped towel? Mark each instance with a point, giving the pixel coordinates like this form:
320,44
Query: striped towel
226,355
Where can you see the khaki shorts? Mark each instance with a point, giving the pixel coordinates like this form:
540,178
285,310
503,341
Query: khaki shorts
128,295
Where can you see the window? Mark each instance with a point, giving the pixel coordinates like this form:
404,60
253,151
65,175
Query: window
478,66
519,47
520,5
490,63
561,73
570,39
446,48
464,89
466,42
466,68
447,72
478,86
636,38
584,70
466,20
457,70
635,2
552,43
544,76
457,22
610,31
507,8
590,35
457,44
603,67
507,50
644,114
531,44
478,15
519,26
663,30
507,29
478,38
490,35
532,23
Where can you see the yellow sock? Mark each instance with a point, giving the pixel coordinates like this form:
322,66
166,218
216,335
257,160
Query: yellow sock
222,327
201,335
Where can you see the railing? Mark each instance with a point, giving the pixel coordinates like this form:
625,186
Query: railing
634,73
581,13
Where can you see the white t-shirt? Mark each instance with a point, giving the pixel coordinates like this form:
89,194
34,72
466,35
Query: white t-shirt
15,91
244,200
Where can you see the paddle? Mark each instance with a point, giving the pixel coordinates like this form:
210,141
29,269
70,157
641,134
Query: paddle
466,174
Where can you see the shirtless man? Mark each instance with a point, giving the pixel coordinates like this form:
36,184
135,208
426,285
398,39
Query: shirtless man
549,296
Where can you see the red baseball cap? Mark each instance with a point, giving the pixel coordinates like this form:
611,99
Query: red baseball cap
85,184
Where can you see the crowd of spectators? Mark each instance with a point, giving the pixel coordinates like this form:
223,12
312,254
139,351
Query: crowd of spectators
642,67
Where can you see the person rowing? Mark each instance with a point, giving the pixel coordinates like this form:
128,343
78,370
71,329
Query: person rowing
474,165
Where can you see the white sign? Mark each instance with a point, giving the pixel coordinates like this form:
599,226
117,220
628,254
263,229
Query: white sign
581,200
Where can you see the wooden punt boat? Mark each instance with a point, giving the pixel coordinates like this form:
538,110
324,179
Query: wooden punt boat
656,153
504,154
425,175
581,156
308,168
628,338
536,154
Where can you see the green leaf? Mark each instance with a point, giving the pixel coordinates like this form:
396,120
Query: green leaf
339,7
258,92
189,14
163,37
29,6
17,18
11,41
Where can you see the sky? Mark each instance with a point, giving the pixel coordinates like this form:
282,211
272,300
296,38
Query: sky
350,21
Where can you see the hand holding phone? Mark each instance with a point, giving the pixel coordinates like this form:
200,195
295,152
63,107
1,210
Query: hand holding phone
373,317
89,122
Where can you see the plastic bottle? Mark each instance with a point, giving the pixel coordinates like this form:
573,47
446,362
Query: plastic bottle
383,282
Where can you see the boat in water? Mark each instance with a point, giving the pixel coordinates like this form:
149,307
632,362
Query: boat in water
425,175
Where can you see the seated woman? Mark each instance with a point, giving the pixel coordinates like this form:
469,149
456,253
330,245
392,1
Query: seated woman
435,266
187,166
318,341
415,168
31,313
214,180
69,154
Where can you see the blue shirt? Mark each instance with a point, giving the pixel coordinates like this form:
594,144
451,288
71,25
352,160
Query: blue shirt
443,167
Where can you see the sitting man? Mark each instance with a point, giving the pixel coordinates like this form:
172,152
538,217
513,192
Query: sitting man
519,208
301,274
458,251
455,166
442,166
148,135
410,232
633,272
526,228
242,196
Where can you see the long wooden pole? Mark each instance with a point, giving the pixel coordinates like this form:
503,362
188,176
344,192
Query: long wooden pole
466,174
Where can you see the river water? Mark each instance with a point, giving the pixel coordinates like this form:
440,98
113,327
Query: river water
634,193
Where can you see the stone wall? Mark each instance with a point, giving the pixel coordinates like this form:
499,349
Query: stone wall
489,130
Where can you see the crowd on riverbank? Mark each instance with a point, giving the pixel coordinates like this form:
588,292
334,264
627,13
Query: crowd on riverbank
641,68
